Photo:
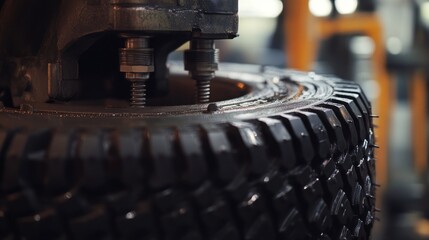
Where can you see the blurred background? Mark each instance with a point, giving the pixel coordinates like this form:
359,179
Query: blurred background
384,46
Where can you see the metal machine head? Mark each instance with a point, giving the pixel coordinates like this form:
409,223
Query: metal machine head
59,46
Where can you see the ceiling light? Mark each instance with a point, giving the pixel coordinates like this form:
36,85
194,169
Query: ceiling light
320,8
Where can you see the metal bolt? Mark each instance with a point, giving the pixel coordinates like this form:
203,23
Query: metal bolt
203,90
137,62
201,60
138,93
212,107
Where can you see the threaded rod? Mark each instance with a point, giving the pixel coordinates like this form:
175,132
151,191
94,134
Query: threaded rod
138,93
201,60
203,90
137,61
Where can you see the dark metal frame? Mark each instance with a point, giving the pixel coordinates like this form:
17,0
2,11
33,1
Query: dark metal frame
43,40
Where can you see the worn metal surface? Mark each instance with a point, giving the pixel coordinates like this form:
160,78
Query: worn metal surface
41,57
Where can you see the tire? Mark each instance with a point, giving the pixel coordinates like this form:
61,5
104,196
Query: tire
292,159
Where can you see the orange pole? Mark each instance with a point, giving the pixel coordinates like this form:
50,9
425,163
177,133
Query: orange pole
418,99
300,35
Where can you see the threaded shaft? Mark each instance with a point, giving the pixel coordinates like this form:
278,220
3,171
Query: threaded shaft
201,60
203,90
138,93
137,61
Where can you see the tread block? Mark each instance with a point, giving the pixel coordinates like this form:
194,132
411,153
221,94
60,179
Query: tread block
205,195
253,145
346,120
324,236
271,182
225,162
35,158
300,135
333,126
312,191
167,200
163,159
344,234
355,113
344,162
369,220
357,154
261,229
131,154
365,112
368,186
317,132
136,224
71,204
284,200
196,169
358,200
12,166
293,226
60,164
43,225
249,208
302,175
214,211
327,168
318,216
215,216
354,89
20,204
350,177
359,230
366,149
93,163
22,157
238,190
228,232
177,217
122,202
280,140
331,178
362,171
93,225
370,162
178,221
341,209
334,183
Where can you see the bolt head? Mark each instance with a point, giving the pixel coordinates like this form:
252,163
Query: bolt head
212,107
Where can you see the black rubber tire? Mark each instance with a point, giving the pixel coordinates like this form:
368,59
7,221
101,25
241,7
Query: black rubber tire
274,168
